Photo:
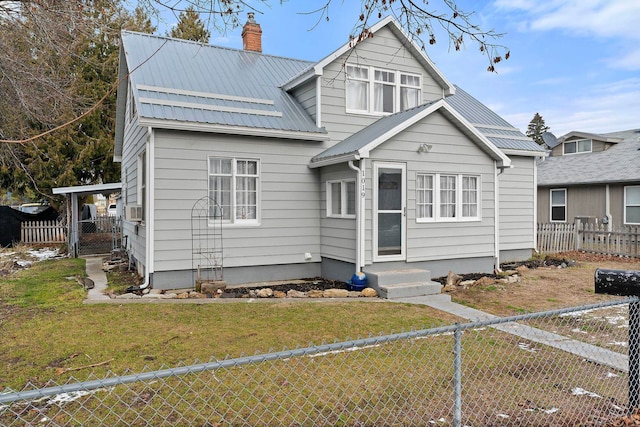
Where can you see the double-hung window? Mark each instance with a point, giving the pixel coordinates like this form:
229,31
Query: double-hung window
341,198
447,197
234,185
632,204
372,90
558,205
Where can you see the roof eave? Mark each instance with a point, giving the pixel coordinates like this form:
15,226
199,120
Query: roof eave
343,158
236,130
526,153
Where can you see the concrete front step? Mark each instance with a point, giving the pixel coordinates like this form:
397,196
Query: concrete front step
408,289
377,279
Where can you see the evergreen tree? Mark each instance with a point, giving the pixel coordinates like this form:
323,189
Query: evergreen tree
190,27
536,128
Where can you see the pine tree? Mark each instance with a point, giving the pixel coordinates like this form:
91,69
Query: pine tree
536,128
190,27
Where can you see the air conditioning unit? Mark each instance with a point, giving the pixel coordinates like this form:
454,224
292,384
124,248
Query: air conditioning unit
133,213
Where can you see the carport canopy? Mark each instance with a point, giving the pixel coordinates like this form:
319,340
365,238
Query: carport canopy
72,194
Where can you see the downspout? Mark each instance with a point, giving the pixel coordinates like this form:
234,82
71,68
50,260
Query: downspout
149,235
607,207
535,204
496,202
359,210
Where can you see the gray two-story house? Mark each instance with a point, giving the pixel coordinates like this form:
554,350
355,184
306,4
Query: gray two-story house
369,159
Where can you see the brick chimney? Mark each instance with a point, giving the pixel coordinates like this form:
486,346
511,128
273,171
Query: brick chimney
252,34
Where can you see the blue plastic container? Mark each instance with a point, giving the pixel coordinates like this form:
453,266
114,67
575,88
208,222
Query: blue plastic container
358,282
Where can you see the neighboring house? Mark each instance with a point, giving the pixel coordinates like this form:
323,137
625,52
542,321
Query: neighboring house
593,177
369,159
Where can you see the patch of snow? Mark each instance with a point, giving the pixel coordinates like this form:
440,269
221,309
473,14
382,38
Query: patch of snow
614,320
44,254
578,331
577,391
326,353
620,343
551,411
611,375
4,254
23,263
526,347
502,415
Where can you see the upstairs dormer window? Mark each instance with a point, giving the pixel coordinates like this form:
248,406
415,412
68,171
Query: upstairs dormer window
578,146
371,90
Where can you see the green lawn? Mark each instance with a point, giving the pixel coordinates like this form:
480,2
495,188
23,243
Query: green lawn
46,330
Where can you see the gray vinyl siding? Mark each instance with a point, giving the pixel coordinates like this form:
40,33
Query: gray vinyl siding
452,153
338,234
289,200
384,51
135,138
517,192
306,96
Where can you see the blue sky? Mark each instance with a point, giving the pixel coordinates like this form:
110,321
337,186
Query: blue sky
576,62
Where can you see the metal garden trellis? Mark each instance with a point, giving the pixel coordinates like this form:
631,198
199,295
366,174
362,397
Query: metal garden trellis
206,242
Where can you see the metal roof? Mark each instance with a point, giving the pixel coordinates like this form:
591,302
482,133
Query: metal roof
184,81
500,132
619,163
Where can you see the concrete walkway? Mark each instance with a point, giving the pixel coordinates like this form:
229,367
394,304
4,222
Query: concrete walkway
440,302
589,352
95,273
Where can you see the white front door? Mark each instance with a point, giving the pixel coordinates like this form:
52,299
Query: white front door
389,211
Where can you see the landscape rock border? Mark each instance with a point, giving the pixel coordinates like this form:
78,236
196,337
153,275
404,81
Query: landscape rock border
258,293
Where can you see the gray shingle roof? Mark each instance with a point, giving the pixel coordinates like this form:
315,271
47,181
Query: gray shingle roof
620,163
189,82
500,132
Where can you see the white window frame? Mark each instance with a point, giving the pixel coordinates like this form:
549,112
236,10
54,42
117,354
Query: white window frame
344,208
458,202
577,143
233,219
132,106
371,82
627,205
551,205
142,172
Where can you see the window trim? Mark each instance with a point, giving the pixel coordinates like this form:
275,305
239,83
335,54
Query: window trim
627,205
371,81
436,189
233,221
343,198
577,143
141,195
551,205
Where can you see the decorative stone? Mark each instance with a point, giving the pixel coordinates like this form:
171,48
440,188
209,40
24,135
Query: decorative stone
128,296
354,294
522,268
264,293
292,293
484,281
170,296
335,293
452,279
183,295
369,293
466,283
279,294
449,288
156,291
315,293
212,286
513,279
153,296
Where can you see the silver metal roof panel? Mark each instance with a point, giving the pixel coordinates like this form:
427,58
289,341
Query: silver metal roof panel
185,81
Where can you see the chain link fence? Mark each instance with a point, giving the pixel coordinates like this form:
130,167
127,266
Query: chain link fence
556,368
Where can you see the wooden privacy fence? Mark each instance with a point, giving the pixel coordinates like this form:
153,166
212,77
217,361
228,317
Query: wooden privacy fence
43,232
560,237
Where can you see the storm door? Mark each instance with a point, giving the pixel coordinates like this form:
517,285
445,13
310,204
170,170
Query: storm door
389,211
